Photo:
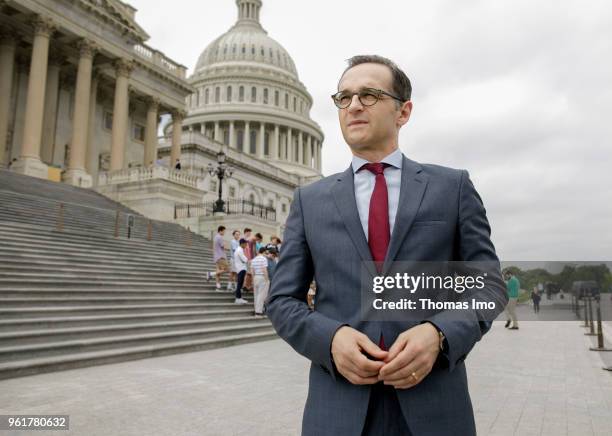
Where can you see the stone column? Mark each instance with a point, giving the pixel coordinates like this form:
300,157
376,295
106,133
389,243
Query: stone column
177,128
29,162
120,114
150,154
289,145
318,145
300,156
91,155
308,162
8,43
232,135
246,143
75,174
50,111
275,144
217,133
262,138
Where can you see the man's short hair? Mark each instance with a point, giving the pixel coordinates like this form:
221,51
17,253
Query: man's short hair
262,250
259,235
235,231
220,228
400,83
246,230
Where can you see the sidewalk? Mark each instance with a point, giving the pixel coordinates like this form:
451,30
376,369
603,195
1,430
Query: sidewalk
539,380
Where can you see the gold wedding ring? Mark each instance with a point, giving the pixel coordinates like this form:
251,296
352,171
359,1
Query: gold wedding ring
416,379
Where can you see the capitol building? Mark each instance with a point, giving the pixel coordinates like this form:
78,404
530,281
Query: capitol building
83,99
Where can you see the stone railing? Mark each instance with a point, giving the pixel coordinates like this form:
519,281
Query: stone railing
158,58
151,173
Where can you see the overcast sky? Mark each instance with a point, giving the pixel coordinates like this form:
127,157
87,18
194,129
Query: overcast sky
516,91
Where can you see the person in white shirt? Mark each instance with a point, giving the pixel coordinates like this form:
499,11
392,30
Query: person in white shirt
261,281
240,262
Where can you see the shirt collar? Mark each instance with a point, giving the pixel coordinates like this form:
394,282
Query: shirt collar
394,159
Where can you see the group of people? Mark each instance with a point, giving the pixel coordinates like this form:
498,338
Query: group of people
251,265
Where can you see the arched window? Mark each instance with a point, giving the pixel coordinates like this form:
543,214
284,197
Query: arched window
267,144
286,101
294,104
240,140
265,96
229,93
276,98
206,96
241,93
217,94
252,197
253,94
253,142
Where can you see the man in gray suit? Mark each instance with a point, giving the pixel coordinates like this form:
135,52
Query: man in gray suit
383,208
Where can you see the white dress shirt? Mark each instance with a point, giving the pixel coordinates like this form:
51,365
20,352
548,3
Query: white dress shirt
365,180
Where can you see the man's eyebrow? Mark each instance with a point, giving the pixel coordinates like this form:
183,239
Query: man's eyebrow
358,89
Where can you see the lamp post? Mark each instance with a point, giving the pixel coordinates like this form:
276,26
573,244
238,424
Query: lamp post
222,171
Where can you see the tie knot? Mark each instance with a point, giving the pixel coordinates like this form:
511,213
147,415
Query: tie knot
375,168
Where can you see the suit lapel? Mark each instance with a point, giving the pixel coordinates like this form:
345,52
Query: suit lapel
412,189
343,193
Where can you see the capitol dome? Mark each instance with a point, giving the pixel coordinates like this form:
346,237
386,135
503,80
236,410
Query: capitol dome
249,97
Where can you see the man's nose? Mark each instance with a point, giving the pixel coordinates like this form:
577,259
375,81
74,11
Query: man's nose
355,104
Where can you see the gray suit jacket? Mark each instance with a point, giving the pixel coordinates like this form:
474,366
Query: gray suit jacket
440,218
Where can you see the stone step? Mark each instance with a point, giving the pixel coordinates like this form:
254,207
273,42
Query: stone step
123,277
59,239
15,252
55,260
19,268
24,337
43,312
80,360
110,293
47,349
72,321
12,302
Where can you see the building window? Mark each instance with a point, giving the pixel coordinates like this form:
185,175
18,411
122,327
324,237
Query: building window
240,140
243,49
294,104
229,93
252,142
302,106
276,98
206,95
108,120
138,132
226,136
253,50
241,93
217,94
265,96
252,198
284,208
286,101
232,191
253,94
263,53
213,185
234,48
267,144
270,203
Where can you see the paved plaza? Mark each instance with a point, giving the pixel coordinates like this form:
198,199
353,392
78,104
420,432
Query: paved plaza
539,380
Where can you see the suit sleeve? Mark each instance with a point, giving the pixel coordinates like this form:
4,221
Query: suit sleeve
309,332
473,244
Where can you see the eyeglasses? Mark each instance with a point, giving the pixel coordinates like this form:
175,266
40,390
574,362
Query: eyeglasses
367,97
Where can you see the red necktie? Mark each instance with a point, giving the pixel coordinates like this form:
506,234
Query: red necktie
379,232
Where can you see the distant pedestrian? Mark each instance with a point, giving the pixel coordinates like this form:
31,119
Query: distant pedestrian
261,280
233,273
535,297
177,166
219,256
240,260
258,242
512,286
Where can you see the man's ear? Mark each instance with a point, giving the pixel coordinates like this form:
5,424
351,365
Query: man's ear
405,110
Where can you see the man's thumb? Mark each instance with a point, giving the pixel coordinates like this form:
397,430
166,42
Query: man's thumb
371,348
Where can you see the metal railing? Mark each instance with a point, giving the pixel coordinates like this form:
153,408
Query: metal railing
232,207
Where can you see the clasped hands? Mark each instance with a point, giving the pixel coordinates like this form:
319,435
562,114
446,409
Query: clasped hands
403,366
